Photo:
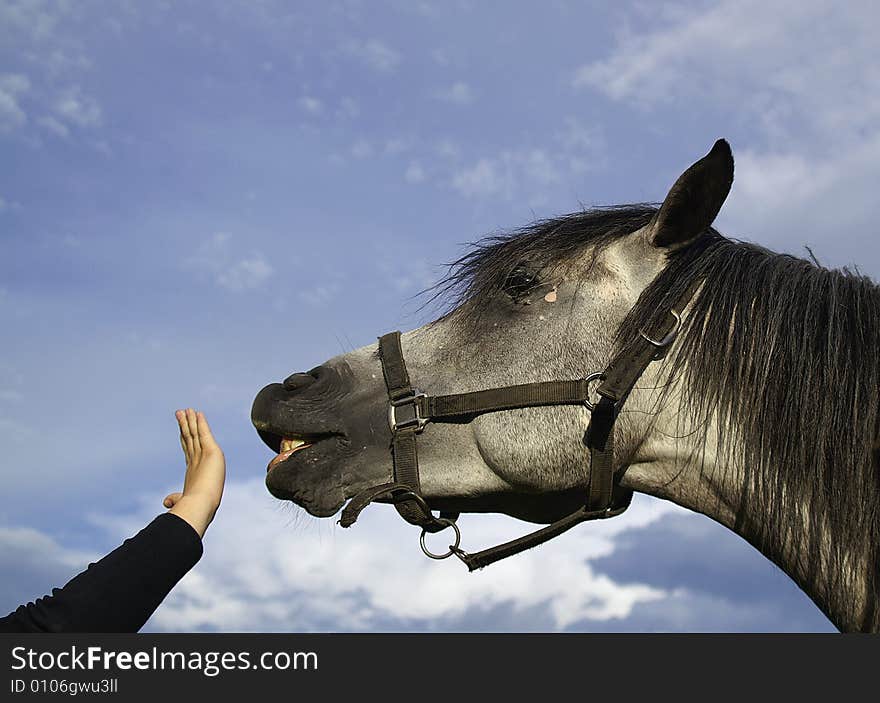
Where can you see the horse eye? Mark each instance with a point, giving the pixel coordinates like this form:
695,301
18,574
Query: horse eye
520,281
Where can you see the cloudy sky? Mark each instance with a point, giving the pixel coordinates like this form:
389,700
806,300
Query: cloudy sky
196,200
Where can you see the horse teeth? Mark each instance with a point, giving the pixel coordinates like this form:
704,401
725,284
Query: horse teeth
288,444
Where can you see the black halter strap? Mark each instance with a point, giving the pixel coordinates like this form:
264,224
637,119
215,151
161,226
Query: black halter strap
410,410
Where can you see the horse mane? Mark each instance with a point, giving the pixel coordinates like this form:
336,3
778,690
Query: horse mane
785,352
474,279
779,348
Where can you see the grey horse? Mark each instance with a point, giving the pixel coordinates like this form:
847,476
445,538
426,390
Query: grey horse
763,415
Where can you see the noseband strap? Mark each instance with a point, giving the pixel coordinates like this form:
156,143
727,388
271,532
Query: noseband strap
410,410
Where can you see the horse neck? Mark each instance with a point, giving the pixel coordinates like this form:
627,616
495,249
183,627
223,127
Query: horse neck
671,461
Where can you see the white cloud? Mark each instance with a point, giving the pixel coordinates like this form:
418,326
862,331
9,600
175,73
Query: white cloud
230,270
245,274
374,54
397,145
267,568
14,431
751,56
259,572
12,115
810,109
459,93
34,21
728,36
448,149
54,126
32,564
509,172
362,149
77,108
414,173
787,199
65,61
530,173
483,178
47,38
576,136
320,295
311,104
419,275
32,545
14,82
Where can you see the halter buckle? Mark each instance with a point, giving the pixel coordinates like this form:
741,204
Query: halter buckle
667,340
408,406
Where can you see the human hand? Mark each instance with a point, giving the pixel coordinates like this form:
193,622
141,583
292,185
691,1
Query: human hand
205,472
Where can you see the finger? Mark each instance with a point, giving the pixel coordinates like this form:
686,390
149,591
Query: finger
179,416
194,432
185,436
185,450
171,499
206,437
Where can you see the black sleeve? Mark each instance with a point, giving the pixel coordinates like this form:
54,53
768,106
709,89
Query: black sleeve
121,591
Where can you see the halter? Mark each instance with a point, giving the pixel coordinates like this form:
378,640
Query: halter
410,411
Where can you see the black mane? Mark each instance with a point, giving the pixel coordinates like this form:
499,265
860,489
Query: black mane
479,275
797,374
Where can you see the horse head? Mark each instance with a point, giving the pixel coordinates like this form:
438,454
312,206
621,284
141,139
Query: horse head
544,304
726,423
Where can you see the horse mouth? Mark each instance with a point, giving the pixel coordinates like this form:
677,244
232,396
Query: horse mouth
286,446
306,469
289,445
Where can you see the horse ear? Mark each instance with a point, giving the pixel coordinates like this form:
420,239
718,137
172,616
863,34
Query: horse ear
695,199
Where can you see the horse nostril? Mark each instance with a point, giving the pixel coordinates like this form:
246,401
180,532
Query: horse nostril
297,381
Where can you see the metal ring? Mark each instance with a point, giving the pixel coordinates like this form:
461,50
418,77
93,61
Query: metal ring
452,547
599,375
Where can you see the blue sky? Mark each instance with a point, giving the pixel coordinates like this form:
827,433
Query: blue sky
196,200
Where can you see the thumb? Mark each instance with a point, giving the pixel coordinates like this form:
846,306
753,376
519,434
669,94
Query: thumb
171,499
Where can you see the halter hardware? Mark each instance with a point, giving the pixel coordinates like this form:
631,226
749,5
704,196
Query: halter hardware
598,376
411,404
664,343
410,410
453,548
